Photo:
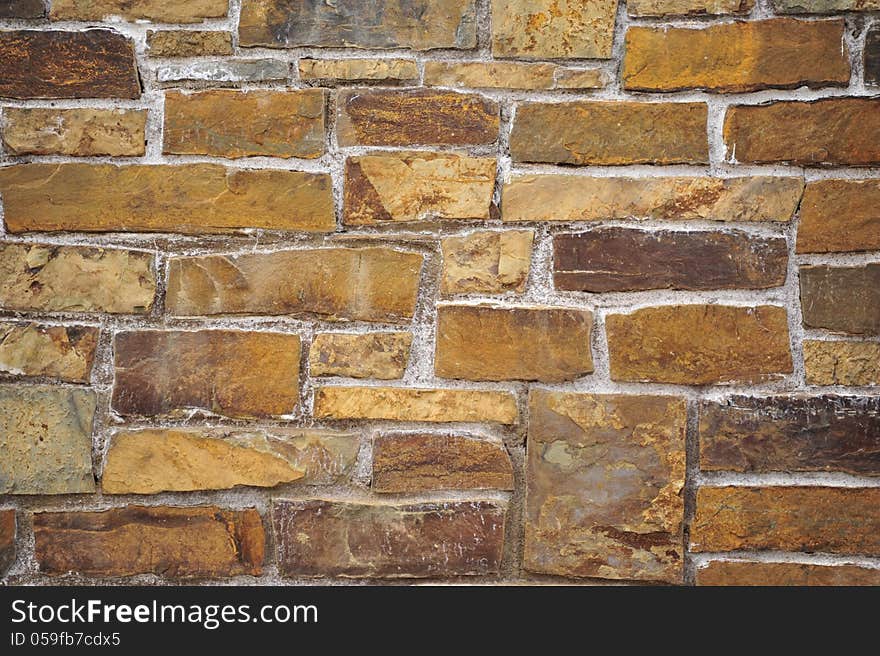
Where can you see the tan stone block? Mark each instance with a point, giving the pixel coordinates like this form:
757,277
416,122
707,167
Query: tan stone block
839,216
78,132
63,352
372,355
489,75
688,7
486,262
160,11
850,363
189,43
359,70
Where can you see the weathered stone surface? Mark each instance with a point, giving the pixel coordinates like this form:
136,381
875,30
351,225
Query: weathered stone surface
49,278
740,573
489,75
186,460
359,70
201,541
699,344
7,540
417,186
823,519
22,9
605,476
549,29
359,540
360,284
486,262
677,58
228,123
842,363
46,440
372,355
580,198
621,259
824,6
414,404
842,299
791,433
80,132
838,216
416,24
481,342
159,11
581,78
388,117
424,462
610,133
225,72
688,7
872,56
227,372
833,131
188,198
188,43
52,64
63,352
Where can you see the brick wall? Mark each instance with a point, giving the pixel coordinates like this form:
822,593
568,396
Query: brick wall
510,290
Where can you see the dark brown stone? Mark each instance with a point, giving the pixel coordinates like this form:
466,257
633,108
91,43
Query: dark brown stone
872,57
741,573
790,433
7,540
201,542
328,538
842,299
54,64
22,9
415,117
620,259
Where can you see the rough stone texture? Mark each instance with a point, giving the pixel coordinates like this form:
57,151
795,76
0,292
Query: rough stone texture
252,123
699,344
494,75
581,78
841,299
810,519
49,278
22,9
824,6
159,11
373,355
673,59
360,284
187,198
417,186
610,133
225,72
185,460
553,29
688,7
415,404
334,538
79,132
620,259
46,440
233,373
359,70
7,540
791,433
833,131
195,542
838,216
560,197
481,342
872,56
408,463
188,43
486,262
842,363
605,477
416,24
52,64
390,117
62,352
741,573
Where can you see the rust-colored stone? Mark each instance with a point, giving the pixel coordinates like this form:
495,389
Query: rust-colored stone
842,363
7,540
605,477
359,540
159,11
62,352
742,573
233,373
486,262
78,132
841,299
839,216
53,64
699,344
196,542
405,463
610,133
188,43
811,519
372,355
363,284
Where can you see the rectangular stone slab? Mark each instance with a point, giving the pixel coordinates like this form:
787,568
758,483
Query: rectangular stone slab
842,363
791,433
872,56
839,216
841,299
159,11
486,262
605,475
359,70
361,540
383,356
824,6
740,573
8,533
62,352
688,7
77,132
23,9
196,542
188,43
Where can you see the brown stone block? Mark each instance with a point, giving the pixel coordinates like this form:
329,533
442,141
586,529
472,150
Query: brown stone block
77,132
159,11
487,262
842,363
383,356
841,299
741,573
188,43
62,352
7,540
839,216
